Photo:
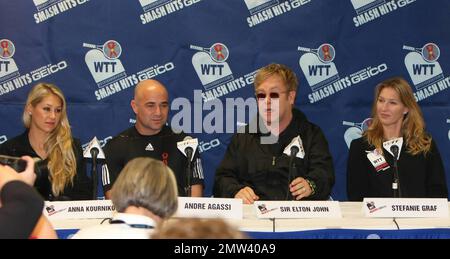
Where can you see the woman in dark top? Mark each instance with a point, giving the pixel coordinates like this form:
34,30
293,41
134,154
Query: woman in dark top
370,167
62,174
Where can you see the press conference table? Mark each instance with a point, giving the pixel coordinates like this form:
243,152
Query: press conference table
353,224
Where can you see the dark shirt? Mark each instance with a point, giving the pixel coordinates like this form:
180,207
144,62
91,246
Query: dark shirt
421,176
131,144
82,185
20,211
265,168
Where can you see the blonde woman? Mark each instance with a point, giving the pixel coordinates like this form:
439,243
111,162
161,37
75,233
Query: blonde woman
395,114
62,173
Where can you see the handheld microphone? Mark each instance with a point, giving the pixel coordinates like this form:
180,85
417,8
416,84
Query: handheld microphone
396,179
188,147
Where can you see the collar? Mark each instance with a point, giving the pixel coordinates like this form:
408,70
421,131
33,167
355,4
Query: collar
163,132
133,220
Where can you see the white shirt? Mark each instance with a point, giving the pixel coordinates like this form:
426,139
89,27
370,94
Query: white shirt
122,226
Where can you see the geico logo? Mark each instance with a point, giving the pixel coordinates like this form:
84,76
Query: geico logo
46,71
298,3
402,3
4,66
205,146
249,79
190,2
156,70
368,73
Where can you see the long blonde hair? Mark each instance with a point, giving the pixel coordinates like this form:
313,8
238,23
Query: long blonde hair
58,145
413,126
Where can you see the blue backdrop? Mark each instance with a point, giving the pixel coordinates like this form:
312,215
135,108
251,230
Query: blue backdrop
98,50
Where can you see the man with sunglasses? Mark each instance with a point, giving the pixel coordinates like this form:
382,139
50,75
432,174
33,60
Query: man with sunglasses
256,169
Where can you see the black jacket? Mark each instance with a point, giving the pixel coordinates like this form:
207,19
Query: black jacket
21,209
421,176
162,146
82,185
265,168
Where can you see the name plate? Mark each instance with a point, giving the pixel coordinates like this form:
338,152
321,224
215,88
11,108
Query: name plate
189,207
405,208
93,209
297,209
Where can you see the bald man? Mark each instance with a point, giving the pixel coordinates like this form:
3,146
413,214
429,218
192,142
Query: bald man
151,137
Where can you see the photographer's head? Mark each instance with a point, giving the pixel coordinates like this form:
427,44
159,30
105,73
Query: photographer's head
146,183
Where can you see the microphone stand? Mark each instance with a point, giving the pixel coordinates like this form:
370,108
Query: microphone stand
294,151
396,180
94,153
189,172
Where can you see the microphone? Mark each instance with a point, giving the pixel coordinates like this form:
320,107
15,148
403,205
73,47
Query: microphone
188,147
294,149
95,152
396,179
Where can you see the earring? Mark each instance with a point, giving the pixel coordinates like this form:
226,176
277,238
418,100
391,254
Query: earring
405,113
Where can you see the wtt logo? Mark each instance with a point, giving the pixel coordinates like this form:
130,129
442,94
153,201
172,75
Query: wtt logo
422,65
356,130
42,4
211,66
318,67
103,62
8,67
3,138
150,4
255,6
362,6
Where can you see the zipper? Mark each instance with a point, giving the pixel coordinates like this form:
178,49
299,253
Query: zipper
273,161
